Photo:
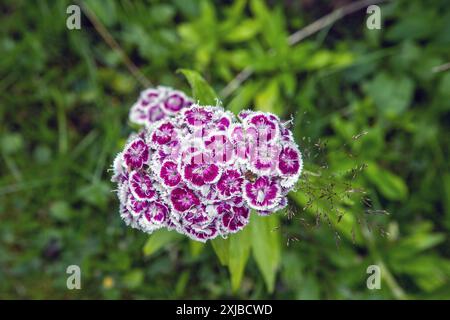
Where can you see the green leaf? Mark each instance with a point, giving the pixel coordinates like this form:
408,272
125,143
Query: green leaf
421,239
244,31
196,247
288,82
182,283
266,247
309,289
428,271
244,96
222,248
420,24
133,279
319,60
96,194
392,95
238,257
158,240
201,90
268,99
390,185
272,22
260,10
105,10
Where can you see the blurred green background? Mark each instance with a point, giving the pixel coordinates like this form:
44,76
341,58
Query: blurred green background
365,99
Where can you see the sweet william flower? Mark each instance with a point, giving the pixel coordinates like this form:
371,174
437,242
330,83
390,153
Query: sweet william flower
175,102
136,154
233,218
164,133
141,186
154,217
220,148
169,174
290,161
262,158
201,233
263,126
198,215
263,194
197,116
199,170
230,183
135,206
159,103
183,199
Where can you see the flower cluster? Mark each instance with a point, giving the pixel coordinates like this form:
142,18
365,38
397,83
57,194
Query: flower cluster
155,104
200,170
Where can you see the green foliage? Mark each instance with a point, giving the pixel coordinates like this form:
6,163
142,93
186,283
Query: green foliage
239,252
158,240
389,184
369,111
391,95
266,247
262,239
222,248
201,91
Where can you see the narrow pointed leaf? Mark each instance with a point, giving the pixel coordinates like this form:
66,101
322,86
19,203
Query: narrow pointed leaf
222,248
201,90
238,257
266,248
158,240
196,247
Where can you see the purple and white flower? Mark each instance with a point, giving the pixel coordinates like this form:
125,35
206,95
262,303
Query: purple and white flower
138,114
263,194
175,102
169,174
197,216
136,154
136,206
197,116
155,104
120,175
151,95
233,218
262,158
141,186
290,161
183,199
266,128
200,170
201,233
224,122
154,217
155,113
230,183
164,133
244,144
220,148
